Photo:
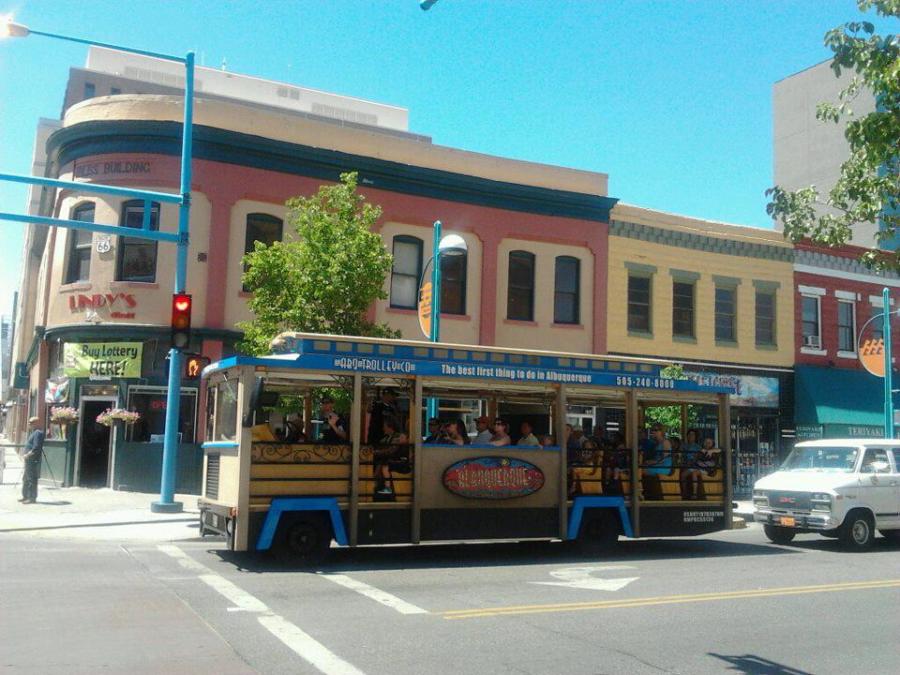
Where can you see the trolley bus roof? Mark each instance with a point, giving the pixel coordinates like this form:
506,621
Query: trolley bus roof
400,358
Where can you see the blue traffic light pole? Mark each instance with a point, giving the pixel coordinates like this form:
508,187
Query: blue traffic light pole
167,503
181,239
435,302
888,367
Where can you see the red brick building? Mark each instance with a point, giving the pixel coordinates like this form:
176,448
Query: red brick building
835,296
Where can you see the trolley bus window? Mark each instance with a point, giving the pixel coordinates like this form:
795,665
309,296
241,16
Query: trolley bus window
225,412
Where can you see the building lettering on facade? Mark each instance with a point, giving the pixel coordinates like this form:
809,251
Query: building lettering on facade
117,303
97,169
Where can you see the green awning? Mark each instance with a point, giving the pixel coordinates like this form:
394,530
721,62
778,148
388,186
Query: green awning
838,396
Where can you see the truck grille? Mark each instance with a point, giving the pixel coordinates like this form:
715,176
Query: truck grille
789,501
212,476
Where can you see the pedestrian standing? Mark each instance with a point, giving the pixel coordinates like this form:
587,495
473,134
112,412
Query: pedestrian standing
34,451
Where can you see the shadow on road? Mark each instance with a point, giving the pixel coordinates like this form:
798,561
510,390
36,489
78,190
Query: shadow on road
750,663
112,524
497,554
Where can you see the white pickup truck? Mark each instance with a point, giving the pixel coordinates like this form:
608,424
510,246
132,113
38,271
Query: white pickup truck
843,488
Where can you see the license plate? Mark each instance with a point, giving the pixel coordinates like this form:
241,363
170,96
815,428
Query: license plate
211,519
787,521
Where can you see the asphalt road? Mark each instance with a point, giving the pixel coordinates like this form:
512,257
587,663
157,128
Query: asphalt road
725,603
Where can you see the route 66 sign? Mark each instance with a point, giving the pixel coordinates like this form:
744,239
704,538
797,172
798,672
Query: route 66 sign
104,243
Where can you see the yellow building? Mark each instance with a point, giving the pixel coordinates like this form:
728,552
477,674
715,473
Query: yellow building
717,299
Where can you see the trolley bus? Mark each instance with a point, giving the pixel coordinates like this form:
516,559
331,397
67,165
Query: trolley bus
272,480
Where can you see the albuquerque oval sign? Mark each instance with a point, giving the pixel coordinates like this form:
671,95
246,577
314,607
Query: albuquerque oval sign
493,478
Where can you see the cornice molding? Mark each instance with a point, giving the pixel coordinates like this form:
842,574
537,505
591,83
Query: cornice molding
218,145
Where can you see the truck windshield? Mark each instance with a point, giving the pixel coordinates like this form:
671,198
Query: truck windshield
821,459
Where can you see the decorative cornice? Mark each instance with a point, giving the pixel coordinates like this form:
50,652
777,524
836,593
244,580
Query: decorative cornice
231,147
699,242
806,258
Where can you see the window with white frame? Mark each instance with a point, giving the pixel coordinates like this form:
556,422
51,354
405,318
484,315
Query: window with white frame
263,228
78,267
137,257
846,326
812,324
406,272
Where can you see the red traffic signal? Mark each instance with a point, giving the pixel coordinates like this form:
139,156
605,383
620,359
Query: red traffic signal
181,320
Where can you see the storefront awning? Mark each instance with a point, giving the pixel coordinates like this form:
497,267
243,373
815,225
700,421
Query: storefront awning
838,396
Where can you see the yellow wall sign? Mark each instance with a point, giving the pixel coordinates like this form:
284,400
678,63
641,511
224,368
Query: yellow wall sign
871,355
102,359
425,308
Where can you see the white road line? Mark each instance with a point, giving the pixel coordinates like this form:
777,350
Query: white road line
241,599
375,594
302,644
314,652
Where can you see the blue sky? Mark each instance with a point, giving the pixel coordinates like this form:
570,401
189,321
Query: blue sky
671,99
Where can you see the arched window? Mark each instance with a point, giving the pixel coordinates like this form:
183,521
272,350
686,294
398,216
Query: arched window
137,257
453,283
263,228
520,295
406,271
78,265
567,295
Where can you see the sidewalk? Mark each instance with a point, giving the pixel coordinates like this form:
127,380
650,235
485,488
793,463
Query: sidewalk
82,513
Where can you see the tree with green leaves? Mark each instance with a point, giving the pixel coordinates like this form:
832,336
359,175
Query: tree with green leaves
325,280
670,415
868,189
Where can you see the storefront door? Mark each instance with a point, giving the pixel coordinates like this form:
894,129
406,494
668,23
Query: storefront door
93,466
755,441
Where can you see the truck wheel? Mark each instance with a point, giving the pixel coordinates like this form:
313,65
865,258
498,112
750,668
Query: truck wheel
306,541
857,532
599,532
779,535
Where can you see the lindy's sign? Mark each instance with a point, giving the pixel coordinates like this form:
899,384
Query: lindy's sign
493,478
102,359
118,304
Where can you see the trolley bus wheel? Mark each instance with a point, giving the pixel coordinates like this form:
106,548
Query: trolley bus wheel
779,535
599,532
306,540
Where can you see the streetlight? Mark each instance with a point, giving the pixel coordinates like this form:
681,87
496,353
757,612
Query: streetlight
450,246
9,28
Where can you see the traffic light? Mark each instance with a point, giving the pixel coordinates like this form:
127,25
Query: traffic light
194,365
181,320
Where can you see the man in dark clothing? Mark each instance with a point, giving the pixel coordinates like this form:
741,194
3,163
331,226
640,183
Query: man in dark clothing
336,427
378,410
434,432
34,451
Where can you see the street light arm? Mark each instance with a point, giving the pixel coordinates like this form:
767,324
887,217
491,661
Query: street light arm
18,30
872,318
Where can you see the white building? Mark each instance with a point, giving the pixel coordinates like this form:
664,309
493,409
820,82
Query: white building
806,150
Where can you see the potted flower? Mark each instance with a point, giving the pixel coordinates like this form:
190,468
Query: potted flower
111,415
64,415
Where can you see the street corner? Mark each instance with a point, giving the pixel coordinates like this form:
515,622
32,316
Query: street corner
95,514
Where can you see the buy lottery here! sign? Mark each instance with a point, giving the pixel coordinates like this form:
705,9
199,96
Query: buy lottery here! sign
102,359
